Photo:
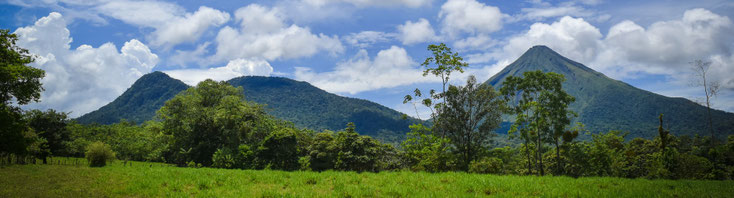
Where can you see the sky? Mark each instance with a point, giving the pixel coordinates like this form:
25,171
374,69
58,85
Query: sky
93,50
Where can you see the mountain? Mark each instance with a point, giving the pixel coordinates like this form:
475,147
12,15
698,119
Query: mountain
604,104
311,107
139,102
299,102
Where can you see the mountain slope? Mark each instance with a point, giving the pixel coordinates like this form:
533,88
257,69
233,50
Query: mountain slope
139,102
311,107
299,102
606,104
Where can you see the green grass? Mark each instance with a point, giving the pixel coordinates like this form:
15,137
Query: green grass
143,179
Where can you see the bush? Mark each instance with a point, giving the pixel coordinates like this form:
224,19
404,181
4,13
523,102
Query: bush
487,165
98,154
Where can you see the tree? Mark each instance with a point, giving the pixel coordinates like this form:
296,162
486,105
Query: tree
540,108
425,151
211,116
18,81
441,64
51,126
469,117
279,150
21,84
710,88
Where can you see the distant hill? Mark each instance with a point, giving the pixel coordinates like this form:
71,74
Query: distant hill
310,107
139,102
295,101
605,104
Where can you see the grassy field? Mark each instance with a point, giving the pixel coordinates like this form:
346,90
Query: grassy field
141,179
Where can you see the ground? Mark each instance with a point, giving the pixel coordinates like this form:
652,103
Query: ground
69,177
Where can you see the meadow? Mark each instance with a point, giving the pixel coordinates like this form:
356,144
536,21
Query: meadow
71,177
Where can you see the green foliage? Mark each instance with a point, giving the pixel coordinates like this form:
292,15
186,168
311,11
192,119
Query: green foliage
98,154
51,127
540,107
19,82
490,165
138,103
468,119
280,150
208,117
129,142
348,151
426,152
605,104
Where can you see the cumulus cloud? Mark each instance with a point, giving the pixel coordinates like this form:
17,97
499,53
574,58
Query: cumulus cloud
369,3
188,28
416,32
235,68
389,68
264,34
171,23
469,16
629,50
83,79
666,47
575,38
540,13
367,38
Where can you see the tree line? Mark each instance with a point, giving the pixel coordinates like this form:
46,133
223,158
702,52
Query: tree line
212,125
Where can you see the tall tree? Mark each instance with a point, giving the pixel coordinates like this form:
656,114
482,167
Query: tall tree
710,88
441,64
541,110
211,116
19,83
51,126
469,117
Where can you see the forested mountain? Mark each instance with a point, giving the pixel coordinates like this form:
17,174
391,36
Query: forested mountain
295,101
139,102
605,104
310,107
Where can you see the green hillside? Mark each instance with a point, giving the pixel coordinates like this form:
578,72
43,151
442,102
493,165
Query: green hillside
139,102
295,101
311,107
605,104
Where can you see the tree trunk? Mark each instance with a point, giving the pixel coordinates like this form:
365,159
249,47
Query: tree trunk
559,164
539,153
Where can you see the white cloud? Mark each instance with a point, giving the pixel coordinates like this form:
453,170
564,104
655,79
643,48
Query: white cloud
469,16
171,23
390,68
630,50
369,3
539,13
235,68
666,47
188,28
416,32
367,38
572,37
83,79
478,42
263,34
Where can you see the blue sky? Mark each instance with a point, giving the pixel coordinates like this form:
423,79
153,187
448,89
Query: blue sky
93,50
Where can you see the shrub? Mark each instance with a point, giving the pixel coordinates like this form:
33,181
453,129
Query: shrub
98,154
487,165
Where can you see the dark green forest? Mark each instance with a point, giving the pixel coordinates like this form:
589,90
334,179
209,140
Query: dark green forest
218,124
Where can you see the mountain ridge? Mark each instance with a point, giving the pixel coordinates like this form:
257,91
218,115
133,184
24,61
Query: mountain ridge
605,104
299,102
